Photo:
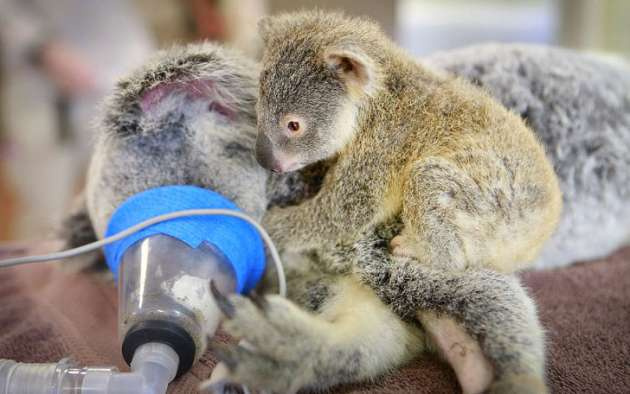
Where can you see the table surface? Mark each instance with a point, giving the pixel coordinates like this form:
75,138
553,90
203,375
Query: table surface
48,312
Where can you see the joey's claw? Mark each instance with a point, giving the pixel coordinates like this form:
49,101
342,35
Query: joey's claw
222,301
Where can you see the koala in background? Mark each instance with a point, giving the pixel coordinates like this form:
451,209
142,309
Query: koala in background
188,117
579,107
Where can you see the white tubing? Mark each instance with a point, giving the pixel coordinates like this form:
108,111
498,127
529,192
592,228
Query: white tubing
153,367
275,256
19,378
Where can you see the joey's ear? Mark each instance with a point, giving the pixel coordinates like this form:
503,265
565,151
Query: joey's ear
354,67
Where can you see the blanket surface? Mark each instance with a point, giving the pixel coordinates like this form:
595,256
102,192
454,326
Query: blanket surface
47,313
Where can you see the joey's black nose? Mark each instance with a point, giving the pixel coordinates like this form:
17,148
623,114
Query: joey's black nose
264,152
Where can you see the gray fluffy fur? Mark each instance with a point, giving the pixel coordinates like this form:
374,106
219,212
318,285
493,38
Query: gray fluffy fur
137,150
580,108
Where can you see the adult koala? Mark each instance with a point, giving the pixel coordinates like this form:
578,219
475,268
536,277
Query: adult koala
188,117
580,108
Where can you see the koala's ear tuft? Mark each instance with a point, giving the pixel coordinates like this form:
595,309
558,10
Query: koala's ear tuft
354,67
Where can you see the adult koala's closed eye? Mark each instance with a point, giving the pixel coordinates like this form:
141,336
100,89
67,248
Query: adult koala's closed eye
188,118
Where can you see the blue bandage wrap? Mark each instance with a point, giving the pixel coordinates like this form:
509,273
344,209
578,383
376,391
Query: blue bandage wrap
238,240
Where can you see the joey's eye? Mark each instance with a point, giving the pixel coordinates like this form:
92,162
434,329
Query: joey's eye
293,126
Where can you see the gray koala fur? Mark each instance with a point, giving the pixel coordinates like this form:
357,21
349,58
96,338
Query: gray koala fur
139,149
183,139
580,108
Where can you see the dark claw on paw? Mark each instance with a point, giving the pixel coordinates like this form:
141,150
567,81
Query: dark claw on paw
222,301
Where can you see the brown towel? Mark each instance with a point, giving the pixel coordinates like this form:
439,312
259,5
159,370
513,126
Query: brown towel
47,313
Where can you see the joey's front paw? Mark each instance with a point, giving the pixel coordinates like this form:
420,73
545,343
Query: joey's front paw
280,345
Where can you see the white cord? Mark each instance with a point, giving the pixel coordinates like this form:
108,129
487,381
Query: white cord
275,256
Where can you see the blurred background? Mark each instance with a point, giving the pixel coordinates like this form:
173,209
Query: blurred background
60,58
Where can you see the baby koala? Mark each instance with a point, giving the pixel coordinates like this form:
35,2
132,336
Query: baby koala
470,181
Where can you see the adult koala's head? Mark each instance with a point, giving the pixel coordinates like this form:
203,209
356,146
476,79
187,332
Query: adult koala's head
186,117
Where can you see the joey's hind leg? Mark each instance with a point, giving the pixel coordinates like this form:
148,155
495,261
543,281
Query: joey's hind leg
472,210
454,306
435,193
354,337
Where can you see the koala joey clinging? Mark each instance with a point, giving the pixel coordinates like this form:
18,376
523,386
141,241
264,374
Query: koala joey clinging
470,181
188,117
